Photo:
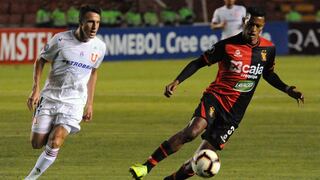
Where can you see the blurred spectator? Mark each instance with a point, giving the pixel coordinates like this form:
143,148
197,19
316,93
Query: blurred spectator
58,16
43,15
133,17
186,15
318,16
110,15
150,18
112,18
169,17
150,10
293,15
228,18
73,14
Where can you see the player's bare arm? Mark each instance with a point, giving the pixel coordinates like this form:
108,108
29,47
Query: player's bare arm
188,71
35,92
88,111
218,25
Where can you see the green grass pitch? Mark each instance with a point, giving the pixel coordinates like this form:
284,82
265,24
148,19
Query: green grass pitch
277,140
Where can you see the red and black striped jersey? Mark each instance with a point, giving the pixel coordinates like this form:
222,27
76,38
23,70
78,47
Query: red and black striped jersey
240,68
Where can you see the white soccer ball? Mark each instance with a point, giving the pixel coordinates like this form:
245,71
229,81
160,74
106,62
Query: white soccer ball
205,163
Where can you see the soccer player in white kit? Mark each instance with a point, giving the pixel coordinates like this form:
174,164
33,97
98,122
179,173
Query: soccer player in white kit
67,97
229,18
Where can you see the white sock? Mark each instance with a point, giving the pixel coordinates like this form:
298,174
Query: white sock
44,161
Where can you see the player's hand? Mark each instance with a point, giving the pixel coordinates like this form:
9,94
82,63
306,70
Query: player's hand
294,93
170,88
33,99
87,114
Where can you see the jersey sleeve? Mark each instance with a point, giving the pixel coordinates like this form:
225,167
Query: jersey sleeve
270,76
214,54
215,17
101,56
269,66
51,49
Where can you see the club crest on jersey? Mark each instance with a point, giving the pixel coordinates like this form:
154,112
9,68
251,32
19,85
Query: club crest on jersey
237,53
264,55
94,57
211,111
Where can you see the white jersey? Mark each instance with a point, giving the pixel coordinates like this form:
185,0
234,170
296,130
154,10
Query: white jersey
232,17
72,63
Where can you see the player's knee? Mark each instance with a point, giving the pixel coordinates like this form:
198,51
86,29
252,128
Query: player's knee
55,143
57,138
196,126
36,144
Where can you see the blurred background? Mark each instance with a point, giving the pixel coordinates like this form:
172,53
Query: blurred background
23,13
148,43
151,29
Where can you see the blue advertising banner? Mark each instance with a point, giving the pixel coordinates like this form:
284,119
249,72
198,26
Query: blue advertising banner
173,42
277,32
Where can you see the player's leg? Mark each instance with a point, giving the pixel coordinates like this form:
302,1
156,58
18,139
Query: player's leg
41,127
185,171
170,146
38,140
55,140
214,138
196,126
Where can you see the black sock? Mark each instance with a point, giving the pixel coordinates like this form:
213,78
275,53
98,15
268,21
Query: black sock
181,174
158,155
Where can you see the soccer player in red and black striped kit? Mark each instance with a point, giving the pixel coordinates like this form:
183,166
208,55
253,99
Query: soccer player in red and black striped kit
241,59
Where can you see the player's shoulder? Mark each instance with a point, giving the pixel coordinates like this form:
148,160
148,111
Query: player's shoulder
221,45
62,36
240,7
236,39
99,43
221,9
265,42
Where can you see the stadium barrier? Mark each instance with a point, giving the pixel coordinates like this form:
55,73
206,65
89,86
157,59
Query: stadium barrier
23,45
175,42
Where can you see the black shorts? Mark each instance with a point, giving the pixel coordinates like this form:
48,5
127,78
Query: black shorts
220,127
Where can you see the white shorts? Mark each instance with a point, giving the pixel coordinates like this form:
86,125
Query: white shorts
50,113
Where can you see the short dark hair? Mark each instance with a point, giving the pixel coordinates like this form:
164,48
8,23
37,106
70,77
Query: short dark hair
88,8
256,11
